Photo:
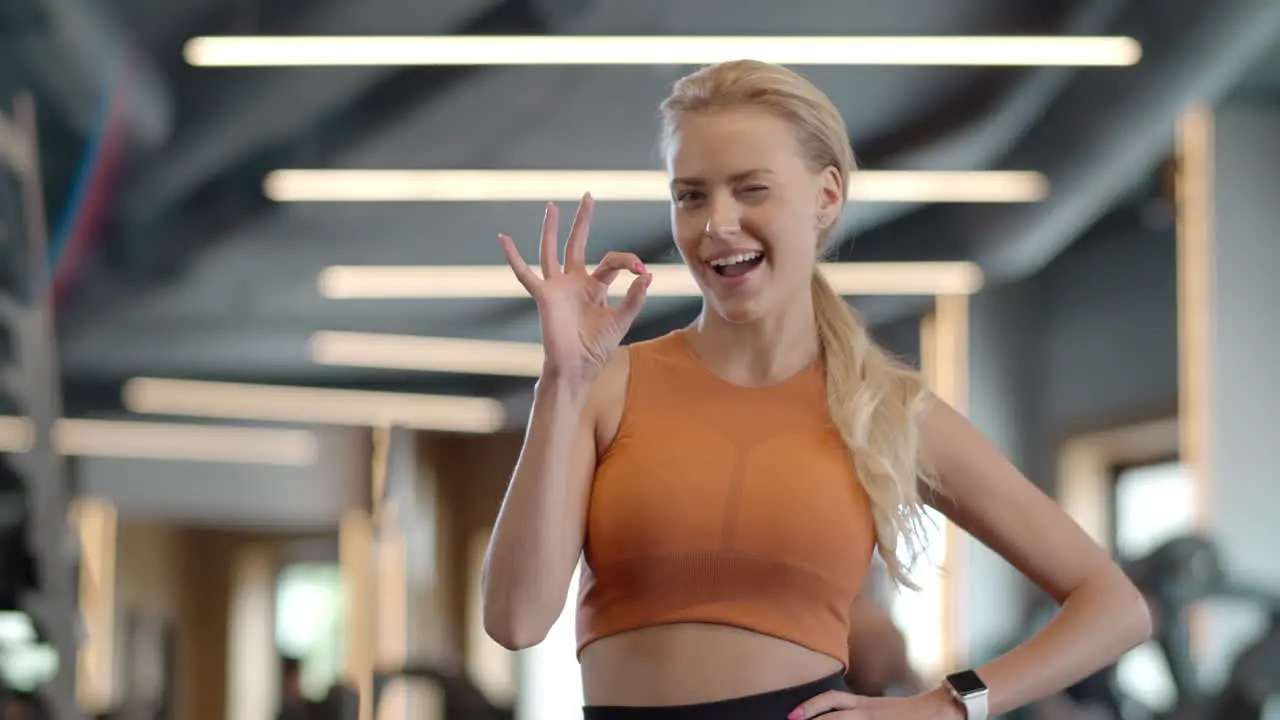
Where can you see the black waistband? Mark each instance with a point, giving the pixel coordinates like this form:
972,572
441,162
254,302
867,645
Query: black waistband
764,706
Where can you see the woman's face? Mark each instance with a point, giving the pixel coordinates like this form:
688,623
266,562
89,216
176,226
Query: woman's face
747,209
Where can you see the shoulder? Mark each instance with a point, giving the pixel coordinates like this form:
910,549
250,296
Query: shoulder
611,390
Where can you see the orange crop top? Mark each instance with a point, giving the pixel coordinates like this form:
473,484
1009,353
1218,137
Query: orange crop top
724,504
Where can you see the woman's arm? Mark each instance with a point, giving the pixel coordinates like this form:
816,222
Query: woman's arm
538,537
1102,614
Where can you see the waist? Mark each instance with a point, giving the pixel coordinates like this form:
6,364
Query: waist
682,663
767,598
768,705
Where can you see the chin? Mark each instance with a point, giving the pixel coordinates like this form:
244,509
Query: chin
739,311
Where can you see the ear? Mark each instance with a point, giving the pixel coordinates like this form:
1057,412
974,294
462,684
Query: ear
831,192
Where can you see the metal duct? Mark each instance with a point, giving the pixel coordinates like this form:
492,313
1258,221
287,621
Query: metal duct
79,56
1103,135
990,135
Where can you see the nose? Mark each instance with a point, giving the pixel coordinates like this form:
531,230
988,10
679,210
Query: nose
723,218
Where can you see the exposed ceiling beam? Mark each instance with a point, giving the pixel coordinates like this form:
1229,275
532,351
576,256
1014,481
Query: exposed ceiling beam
171,198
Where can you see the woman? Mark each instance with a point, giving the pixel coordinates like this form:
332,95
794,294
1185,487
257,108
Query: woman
727,484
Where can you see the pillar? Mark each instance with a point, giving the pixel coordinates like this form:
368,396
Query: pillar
1229,257
253,667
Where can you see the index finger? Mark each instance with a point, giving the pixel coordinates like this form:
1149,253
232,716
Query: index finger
825,702
575,252
525,274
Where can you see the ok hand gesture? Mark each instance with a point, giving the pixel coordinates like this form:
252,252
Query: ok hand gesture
580,329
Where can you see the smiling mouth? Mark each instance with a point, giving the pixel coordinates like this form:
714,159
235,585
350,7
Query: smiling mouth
737,265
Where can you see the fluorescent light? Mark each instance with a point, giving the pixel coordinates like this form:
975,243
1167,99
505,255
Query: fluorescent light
417,282
321,185
432,354
167,441
325,406
262,51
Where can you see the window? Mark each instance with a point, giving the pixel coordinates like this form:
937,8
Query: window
25,663
1153,504
309,623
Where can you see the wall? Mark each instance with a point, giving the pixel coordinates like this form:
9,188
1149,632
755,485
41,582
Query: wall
1106,311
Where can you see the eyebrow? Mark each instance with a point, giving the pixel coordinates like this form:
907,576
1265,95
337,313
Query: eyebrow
736,177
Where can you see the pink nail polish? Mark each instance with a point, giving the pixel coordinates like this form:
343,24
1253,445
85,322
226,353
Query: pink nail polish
795,715
643,270
648,280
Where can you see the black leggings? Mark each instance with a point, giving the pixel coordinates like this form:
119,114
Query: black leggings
766,706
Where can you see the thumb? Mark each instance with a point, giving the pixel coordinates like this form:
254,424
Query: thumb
629,308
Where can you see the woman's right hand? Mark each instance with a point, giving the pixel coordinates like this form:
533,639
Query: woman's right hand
580,329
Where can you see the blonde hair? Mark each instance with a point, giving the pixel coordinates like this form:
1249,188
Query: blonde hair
874,400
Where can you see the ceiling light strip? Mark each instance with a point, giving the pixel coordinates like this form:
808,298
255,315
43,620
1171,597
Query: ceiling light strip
323,406
446,282
427,354
990,51
167,441
325,185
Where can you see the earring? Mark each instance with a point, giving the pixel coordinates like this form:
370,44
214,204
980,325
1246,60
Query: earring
822,220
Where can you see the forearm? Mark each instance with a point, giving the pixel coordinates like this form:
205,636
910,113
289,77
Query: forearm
537,538
1096,624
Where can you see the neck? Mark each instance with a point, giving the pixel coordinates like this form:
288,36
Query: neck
759,352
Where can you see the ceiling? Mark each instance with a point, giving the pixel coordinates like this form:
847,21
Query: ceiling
193,273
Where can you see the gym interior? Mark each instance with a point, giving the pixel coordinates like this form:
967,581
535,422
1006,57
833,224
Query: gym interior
267,374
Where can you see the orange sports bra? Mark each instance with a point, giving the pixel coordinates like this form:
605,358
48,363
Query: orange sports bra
724,504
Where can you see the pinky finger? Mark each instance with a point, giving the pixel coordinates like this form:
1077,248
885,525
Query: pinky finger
525,274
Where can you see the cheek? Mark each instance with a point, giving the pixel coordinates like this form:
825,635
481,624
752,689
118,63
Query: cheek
686,233
787,235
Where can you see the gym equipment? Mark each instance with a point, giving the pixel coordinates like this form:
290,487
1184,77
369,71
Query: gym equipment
1186,571
31,379
1174,577
1254,680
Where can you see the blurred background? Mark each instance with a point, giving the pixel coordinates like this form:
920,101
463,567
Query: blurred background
266,375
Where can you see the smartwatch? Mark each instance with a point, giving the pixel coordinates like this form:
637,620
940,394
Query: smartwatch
969,690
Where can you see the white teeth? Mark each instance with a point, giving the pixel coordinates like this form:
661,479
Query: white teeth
735,259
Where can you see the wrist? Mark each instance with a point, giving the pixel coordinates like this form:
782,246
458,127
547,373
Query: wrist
943,705
572,386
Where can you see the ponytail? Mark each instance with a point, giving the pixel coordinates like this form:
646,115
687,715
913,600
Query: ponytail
874,402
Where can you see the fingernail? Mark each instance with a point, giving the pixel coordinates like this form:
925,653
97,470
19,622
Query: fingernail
648,280
643,270
795,715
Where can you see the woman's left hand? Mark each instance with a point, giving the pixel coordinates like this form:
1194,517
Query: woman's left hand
835,705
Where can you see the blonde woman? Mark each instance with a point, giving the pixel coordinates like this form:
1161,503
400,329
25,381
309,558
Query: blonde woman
726,485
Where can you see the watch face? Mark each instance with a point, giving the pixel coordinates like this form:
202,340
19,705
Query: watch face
966,683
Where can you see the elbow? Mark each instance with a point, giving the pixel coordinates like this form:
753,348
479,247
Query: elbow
512,629
1133,607
1143,624
512,636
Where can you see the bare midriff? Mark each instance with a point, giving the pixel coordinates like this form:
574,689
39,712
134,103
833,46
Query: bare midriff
687,663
